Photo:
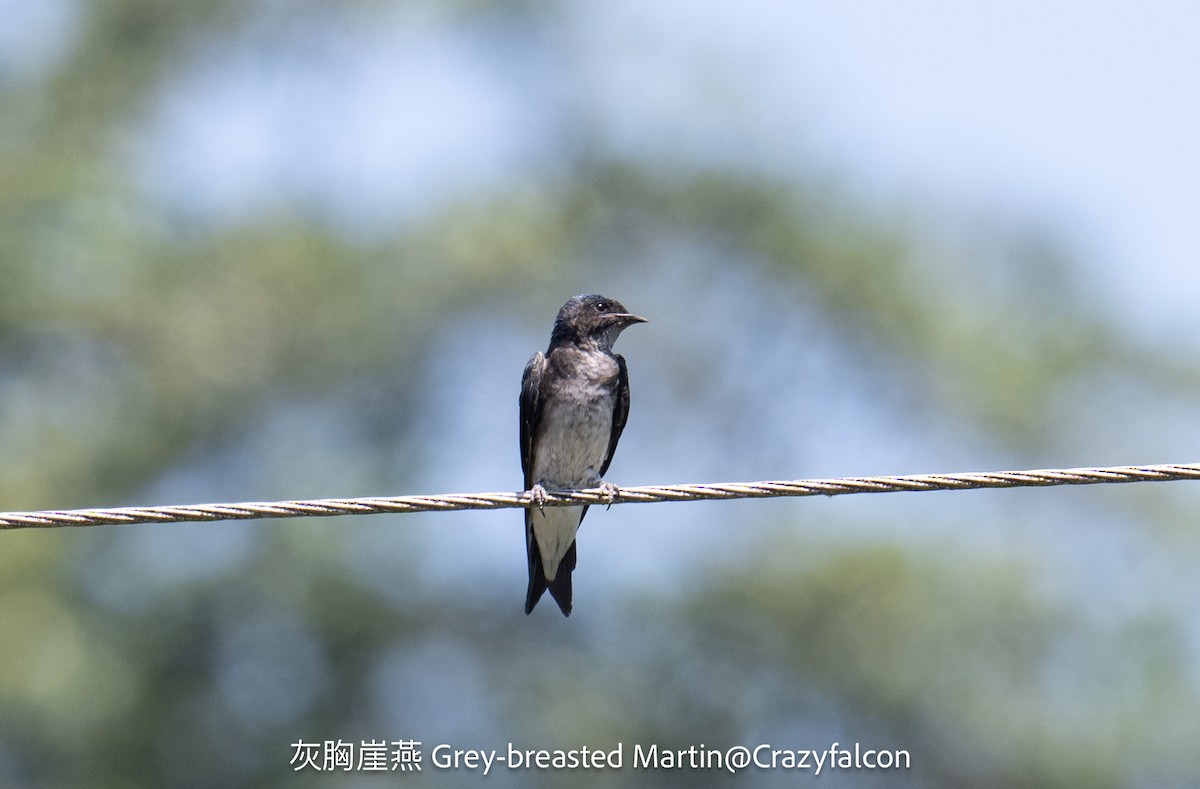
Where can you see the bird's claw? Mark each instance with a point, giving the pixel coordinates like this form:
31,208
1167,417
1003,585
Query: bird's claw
537,495
610,491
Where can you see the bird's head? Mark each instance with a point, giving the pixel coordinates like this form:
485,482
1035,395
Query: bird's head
592,318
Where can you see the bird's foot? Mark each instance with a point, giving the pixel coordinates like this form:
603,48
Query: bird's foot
537,495
610,490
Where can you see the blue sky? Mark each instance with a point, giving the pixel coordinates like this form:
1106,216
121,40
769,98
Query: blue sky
1078,117
1086,113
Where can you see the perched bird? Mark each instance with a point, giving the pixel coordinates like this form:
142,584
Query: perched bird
574,402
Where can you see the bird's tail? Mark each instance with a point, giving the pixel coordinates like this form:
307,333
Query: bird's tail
560,587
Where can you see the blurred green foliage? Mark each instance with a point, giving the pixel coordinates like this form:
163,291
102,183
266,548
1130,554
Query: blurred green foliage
134,342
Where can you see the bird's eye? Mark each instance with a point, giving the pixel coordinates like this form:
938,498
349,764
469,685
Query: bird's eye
602,306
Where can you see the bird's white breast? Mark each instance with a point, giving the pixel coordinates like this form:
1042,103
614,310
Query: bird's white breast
576,425
574,442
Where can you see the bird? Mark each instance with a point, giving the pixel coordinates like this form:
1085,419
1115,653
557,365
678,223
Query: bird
574,404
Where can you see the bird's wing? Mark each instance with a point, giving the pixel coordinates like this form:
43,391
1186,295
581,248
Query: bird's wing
620,412
531,407
531,411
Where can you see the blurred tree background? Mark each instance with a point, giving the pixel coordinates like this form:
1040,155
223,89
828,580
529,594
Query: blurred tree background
303,249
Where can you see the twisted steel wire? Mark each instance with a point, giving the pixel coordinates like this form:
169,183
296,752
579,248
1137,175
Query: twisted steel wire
642,494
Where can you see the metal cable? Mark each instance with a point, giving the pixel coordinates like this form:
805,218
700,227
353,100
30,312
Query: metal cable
643,494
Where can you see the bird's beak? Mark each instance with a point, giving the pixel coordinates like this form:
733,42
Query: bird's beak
627,319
